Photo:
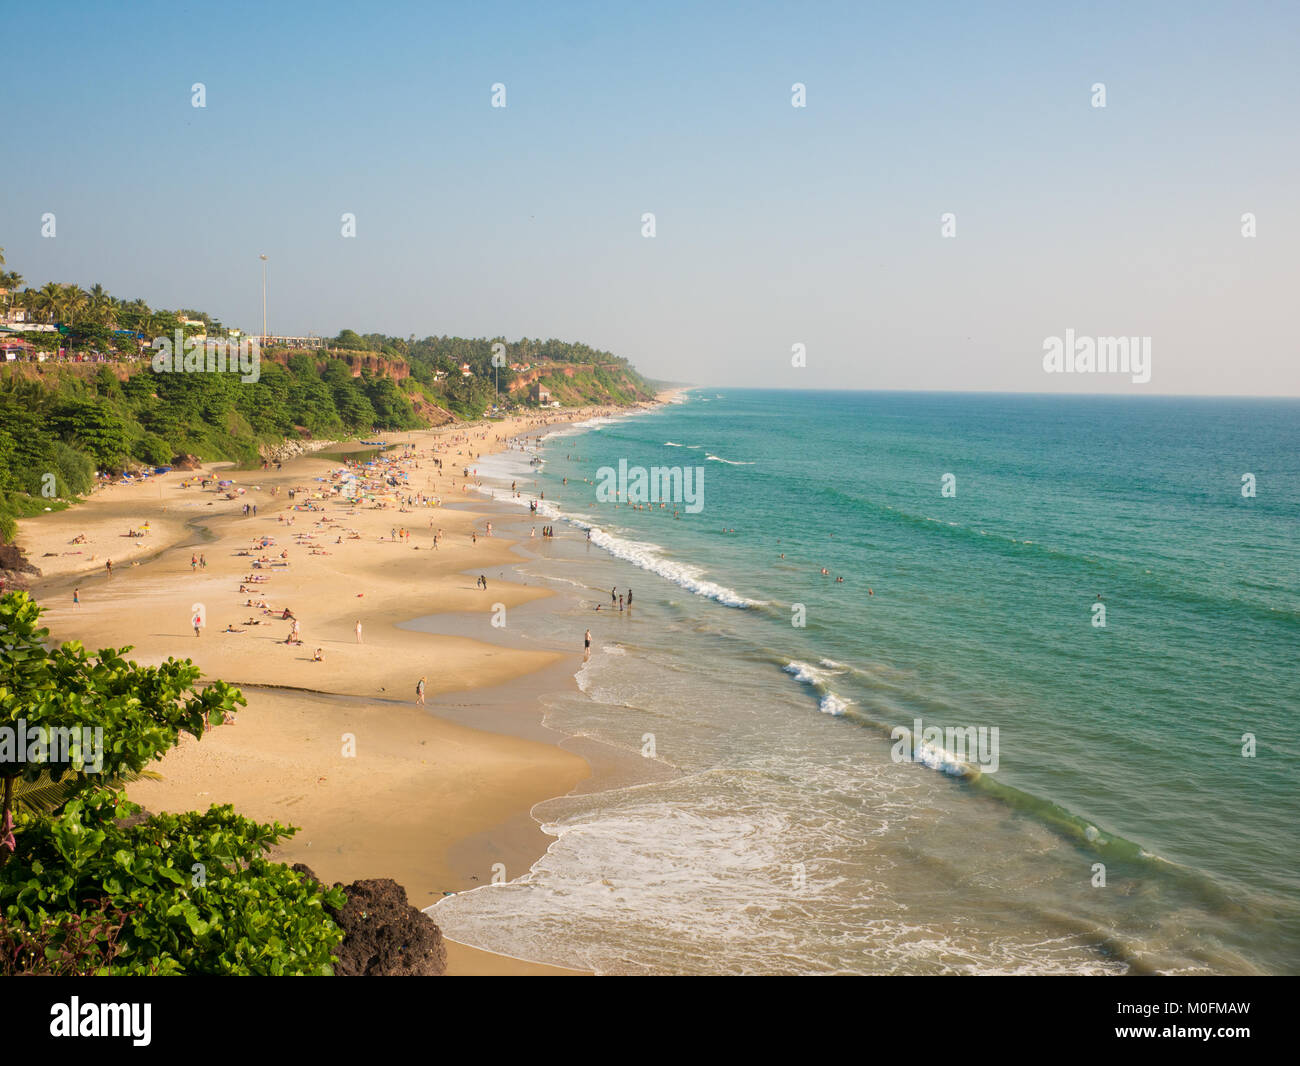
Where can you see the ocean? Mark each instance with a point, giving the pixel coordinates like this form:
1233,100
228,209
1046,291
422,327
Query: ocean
1088,597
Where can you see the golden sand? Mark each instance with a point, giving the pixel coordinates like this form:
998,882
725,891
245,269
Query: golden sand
379,786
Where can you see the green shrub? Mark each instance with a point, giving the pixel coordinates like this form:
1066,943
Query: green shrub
74,470
195,891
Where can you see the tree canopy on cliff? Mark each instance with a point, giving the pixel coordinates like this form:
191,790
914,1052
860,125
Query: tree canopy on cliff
56,432
60,424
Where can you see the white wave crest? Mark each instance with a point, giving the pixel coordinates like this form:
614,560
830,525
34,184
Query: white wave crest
648,557
829,702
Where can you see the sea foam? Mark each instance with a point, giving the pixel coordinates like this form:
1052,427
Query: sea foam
828,701
642,554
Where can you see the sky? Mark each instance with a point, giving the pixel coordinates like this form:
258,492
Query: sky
774,225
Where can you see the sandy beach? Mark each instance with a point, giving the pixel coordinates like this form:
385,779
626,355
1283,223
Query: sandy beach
337,745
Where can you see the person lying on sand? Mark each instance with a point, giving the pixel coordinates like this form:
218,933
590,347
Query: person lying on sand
231,629
319,657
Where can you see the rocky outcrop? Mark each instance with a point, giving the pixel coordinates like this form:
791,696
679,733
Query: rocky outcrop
384,935
375,363
15,571
523,378
291,449
430,413
185,461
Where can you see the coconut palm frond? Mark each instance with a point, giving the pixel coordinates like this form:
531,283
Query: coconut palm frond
45,795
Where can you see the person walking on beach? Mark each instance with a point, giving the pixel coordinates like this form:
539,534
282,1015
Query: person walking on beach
203,562
419,692
194,562
197,622
586,647
358,630
76,597
109,567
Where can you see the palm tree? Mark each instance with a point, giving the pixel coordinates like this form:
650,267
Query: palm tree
10,281
133,315
75,302
100,305
49,300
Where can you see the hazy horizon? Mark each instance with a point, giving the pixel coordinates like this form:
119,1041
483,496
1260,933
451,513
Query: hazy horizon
776,225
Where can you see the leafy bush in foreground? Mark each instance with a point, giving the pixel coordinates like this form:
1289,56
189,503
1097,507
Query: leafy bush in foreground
196,894
92,887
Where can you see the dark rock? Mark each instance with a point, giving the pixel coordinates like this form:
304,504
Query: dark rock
384,935
306,871
12,559
185,461
130,820
15,570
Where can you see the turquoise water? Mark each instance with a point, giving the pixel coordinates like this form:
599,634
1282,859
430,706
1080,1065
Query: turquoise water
788,837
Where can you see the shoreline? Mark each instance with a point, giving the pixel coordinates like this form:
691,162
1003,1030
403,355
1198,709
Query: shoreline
416,789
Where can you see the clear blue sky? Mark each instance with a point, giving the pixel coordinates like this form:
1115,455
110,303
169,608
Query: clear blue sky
776,225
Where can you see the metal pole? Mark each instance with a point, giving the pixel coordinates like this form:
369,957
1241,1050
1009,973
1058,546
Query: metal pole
263,258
